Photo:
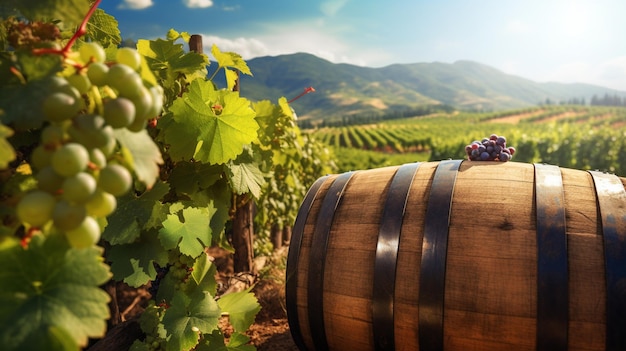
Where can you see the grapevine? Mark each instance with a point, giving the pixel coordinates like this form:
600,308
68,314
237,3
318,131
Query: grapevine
113,147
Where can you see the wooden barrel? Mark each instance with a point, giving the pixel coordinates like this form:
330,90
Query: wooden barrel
460,255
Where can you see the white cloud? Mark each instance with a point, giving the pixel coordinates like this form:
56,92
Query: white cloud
135,4
198,3
331,7
311,36
246,47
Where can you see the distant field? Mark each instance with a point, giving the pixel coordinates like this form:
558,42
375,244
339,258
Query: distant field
580,137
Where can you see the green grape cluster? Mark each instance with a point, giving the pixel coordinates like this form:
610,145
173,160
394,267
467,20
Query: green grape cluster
181,268
75,164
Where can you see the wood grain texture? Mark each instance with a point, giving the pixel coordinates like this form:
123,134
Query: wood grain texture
491,275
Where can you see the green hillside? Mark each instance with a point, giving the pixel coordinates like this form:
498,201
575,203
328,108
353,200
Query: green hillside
343,89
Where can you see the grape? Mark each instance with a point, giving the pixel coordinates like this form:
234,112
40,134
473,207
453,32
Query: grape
57,84
48,180
97,157
53,135
92,51
91,131
144,104
79,187
125,80
35,208
67,216
70,159
101,204
85,235
40,158
117,73
73,92
181,270
137,125
58,107
489,149
157,98
115,179
108,149
97,73
80,81
119,113
129,57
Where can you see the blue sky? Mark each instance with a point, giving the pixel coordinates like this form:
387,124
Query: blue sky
542,40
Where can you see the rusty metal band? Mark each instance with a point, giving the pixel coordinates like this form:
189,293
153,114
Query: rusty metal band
552,267
384,280
317,260
434,255
611,198
291,270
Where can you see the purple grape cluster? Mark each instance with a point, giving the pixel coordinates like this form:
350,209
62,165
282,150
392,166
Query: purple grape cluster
490,149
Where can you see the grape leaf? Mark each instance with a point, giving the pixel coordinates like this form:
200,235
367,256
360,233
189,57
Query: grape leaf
187,317
241,308
222,197
51,285
209,125
174,35
246,178
191,234
203,274
7,154
20,104
230,60
103,28
167,54
189,177
38,66
133,263
133,214
146,156
50,338
216,342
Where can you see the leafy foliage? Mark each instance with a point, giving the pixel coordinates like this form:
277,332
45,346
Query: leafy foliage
50,292
207,148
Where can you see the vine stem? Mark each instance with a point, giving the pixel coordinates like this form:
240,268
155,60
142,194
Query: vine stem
82,30
306,91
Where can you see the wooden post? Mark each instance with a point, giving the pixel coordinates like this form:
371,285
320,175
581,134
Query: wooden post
276,235
243,237
195,43
286,234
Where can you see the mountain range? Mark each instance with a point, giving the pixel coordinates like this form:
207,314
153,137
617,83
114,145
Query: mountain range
343,89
